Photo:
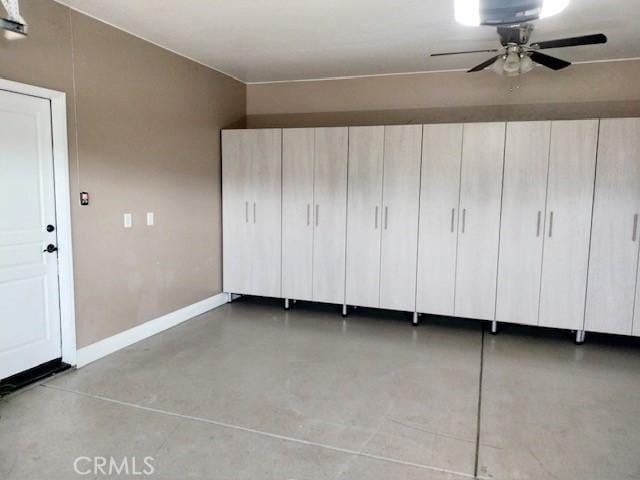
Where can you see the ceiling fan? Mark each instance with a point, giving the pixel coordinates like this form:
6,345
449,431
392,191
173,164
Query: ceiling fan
517,56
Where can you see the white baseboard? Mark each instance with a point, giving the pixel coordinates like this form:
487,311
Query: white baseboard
97,350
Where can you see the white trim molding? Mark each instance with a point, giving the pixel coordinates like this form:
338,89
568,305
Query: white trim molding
63,209
121,340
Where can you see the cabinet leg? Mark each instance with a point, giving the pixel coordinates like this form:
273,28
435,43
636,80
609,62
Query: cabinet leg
580,334
415,321
286,304
344,310
494,327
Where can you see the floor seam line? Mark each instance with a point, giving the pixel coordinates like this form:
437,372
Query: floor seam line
479,416
259,432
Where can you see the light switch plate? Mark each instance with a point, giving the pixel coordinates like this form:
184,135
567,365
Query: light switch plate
150,218
128,220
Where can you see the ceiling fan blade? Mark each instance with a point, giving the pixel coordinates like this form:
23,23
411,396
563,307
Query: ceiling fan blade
549,61
492,50
572,42
484,65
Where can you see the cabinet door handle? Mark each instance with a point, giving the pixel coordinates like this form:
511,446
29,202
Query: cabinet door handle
386,217
453,217
246,212
464,219
635,228
317,214
308,214
538,224
254,212
550,224
375,220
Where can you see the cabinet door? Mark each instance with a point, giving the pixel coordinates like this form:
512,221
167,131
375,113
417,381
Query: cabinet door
521,229
265,147
636,317
613,260
298,145
364,200
330,214
400,200
480,192
236,210
572,166
439,199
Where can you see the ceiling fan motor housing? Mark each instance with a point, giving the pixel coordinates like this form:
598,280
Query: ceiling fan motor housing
509,12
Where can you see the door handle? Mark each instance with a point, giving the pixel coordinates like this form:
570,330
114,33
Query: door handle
453,216
635,228
550,224
464,219
246,212
254,212
317,214
50,248
375,221
538,224
308,214
386,217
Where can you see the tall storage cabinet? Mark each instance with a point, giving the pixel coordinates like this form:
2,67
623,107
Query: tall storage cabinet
438,225
364,204
400,200
613,263
522,226
572,165
479,220
251,214
298,153
330,214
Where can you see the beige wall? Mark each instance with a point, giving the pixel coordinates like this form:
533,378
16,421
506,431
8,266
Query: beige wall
144,128
585,90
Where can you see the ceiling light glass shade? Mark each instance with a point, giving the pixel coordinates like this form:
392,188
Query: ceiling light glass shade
526,64
498,66
552,7
467,12
512,64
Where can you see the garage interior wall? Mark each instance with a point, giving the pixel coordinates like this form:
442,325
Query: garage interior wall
144,136
590,90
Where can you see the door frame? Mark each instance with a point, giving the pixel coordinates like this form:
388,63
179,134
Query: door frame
58,102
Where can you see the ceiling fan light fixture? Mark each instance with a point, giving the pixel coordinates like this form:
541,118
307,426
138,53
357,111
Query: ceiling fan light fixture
467,12
552,7
526,64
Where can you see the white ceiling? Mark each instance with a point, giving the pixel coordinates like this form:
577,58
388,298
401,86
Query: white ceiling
275,40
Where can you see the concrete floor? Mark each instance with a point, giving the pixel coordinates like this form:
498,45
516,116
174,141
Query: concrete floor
249,391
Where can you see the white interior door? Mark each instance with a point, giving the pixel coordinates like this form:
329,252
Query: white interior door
298,146
401,200
237,206
29,295
439,199
524,193
266,186
366,147
613,260
636,315
480,192
572,166
330,214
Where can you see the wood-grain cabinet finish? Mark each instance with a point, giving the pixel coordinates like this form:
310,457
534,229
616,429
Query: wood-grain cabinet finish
524,195
438,224
400,205
314,208
526,222
252,208
364,205
613,263
479,220
545,226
